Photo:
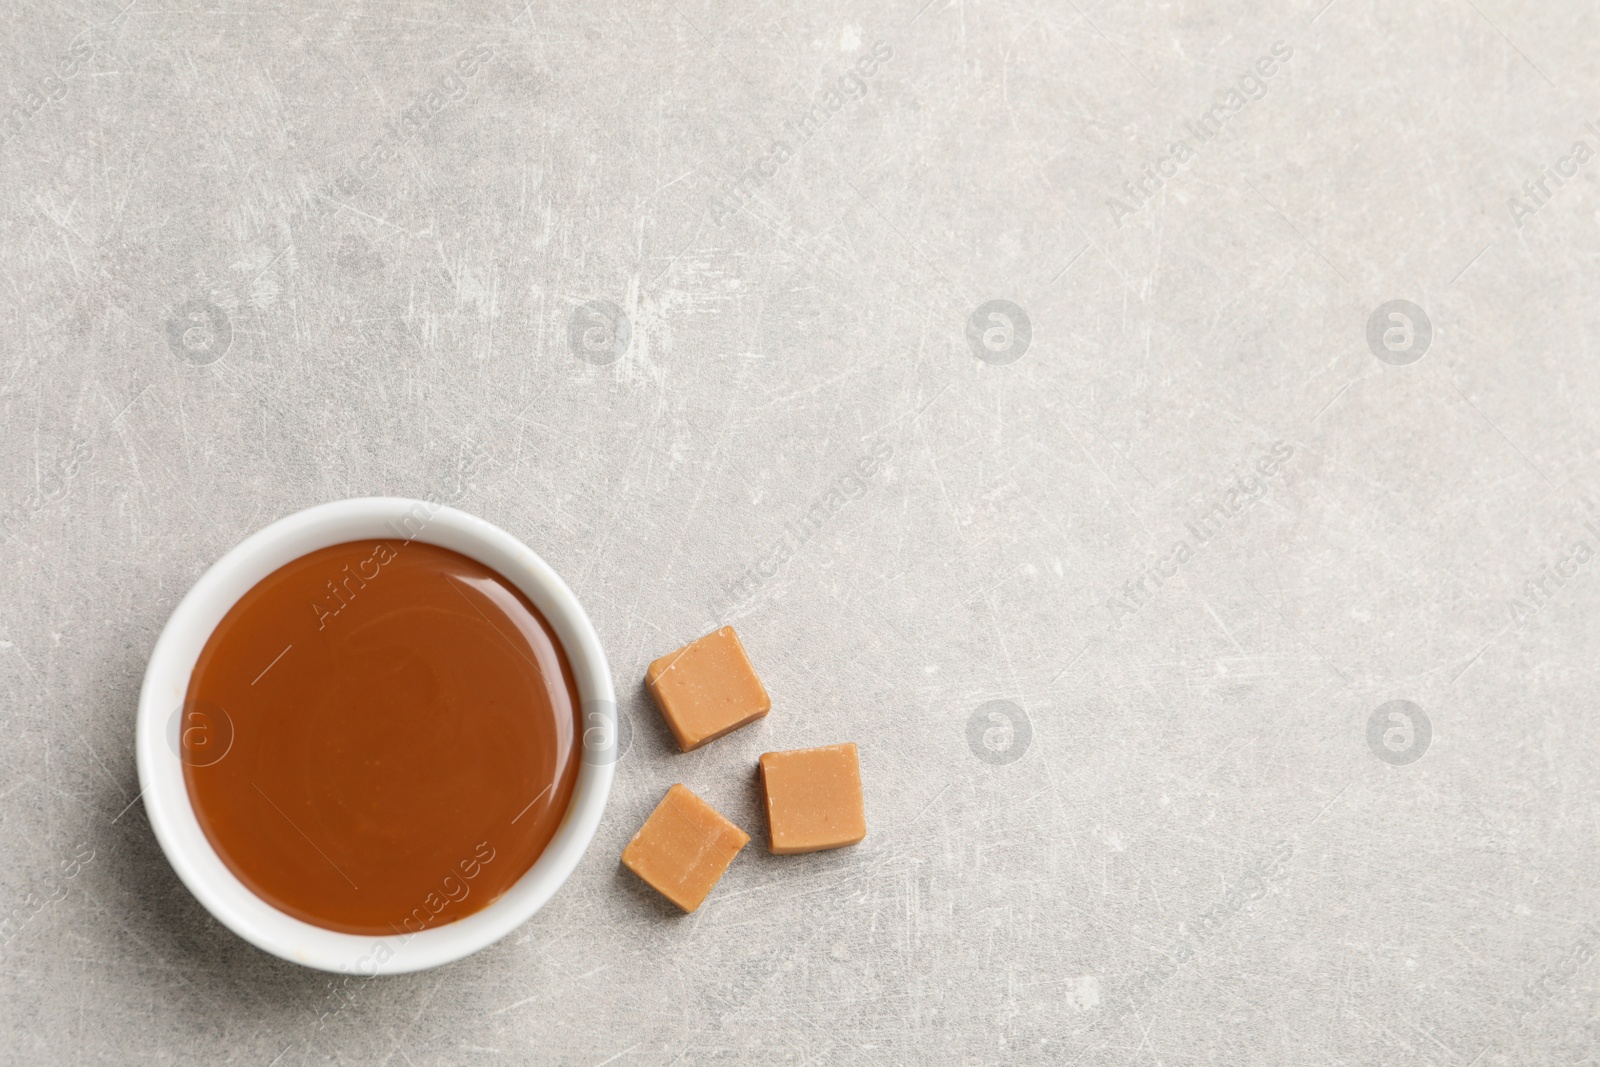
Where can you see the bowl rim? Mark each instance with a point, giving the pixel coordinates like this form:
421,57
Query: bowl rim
166,682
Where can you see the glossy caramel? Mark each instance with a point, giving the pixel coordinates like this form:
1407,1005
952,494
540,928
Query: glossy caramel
381,737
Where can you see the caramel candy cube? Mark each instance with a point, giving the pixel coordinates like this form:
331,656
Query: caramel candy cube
813,798
707,688
683,848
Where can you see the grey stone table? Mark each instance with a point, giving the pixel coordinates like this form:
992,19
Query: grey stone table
1218,624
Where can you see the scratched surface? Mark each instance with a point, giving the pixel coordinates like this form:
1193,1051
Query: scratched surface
1216,614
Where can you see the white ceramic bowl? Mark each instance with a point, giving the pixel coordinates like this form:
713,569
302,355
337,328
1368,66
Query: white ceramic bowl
166,681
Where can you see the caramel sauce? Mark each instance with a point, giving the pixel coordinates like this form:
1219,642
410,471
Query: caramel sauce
381,737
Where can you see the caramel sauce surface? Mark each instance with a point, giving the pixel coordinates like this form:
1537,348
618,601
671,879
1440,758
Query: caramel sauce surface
381,737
